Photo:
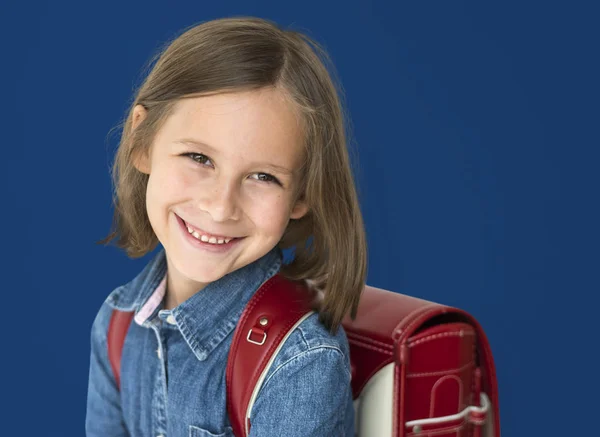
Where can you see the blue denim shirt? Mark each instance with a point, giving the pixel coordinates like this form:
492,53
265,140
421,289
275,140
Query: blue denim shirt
173,365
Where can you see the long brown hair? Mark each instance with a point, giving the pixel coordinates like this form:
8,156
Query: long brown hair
246,53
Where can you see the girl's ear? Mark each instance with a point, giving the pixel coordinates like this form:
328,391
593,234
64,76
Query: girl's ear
139,114
141,161
299,210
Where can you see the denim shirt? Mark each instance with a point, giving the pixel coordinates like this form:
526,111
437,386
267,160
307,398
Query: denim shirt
173,365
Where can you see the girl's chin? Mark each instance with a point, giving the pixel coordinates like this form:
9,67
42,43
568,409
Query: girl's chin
204,278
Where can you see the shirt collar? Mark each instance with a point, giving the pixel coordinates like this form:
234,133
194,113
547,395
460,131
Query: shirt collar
207,317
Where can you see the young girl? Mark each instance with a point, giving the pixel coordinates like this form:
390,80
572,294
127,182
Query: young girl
234,148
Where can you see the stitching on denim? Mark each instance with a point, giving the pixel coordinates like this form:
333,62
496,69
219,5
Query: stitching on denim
302,354
225,329
302,332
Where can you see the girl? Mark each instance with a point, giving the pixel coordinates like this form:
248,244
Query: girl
233,149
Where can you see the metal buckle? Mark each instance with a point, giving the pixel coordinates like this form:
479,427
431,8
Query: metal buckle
256,342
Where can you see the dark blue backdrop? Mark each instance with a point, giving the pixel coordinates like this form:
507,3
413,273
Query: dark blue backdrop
476,130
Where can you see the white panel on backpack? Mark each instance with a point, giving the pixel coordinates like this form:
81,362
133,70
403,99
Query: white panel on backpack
374,407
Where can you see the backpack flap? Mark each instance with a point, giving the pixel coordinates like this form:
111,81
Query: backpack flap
420,368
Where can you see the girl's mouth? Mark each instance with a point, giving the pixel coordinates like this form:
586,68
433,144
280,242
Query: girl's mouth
208,242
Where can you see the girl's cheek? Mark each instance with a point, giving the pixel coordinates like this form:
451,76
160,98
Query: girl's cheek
186,182
270,199
272,213
173,185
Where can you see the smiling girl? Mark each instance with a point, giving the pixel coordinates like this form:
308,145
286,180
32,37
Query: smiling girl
233,149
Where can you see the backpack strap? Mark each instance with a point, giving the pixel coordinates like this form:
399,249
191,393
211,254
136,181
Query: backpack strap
270,316
115,338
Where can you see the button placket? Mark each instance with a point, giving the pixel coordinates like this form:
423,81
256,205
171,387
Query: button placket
159,401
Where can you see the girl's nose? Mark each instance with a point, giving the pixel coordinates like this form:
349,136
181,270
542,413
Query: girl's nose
222,202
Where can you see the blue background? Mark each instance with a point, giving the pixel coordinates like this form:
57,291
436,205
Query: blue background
476,129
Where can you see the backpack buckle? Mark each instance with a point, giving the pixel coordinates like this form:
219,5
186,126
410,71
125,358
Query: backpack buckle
256,342
262,321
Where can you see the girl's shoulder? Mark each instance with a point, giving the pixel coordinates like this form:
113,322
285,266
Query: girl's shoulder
311,365
120,298
100,324
312,339
311,333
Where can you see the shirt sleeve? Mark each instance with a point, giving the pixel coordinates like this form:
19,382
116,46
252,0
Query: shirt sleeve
307,396
103,416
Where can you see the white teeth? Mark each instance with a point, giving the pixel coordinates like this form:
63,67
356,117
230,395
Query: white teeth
212,240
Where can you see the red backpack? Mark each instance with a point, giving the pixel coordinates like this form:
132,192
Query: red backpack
418,368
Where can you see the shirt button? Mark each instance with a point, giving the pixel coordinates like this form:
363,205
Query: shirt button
171,319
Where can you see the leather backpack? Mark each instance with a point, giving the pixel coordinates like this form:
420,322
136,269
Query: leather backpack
418,368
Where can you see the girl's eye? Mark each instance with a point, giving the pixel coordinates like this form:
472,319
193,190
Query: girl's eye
198,157
203,159
266,177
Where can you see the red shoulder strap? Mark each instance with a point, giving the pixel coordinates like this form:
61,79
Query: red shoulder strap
274,310
115,338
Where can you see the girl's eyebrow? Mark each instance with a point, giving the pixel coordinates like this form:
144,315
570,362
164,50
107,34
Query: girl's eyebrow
193,142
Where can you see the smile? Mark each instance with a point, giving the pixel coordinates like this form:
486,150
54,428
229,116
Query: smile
204,238
208,239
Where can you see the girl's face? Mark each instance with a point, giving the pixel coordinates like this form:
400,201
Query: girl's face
226,166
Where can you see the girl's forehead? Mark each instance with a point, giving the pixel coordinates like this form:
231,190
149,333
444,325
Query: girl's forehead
261,121
262,102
